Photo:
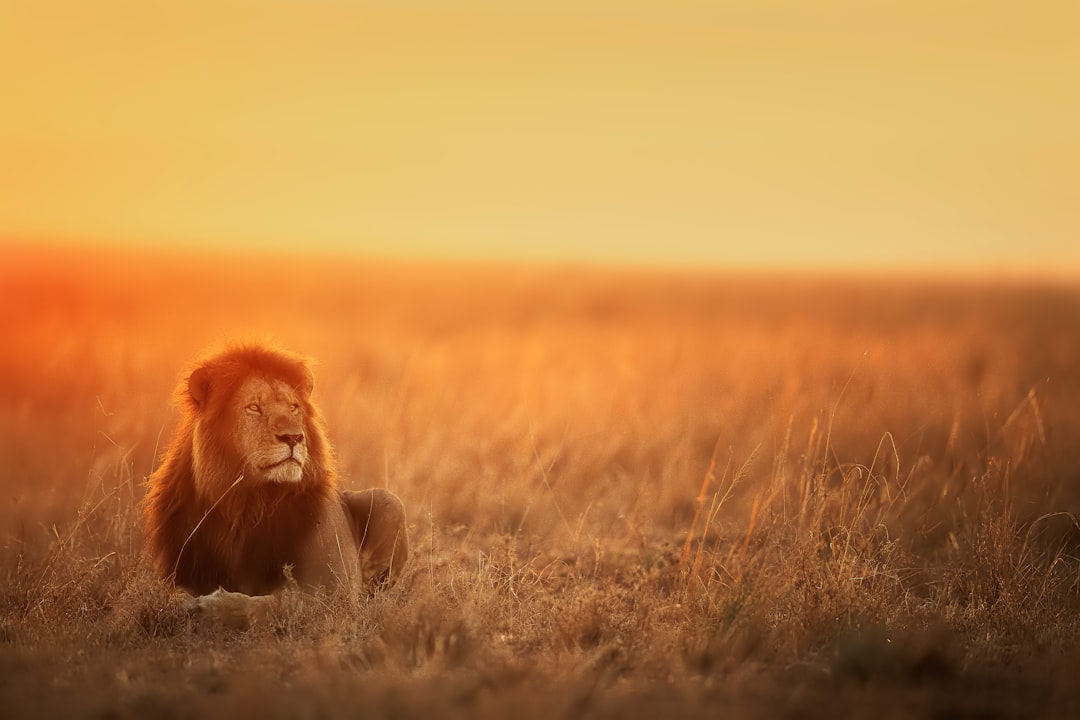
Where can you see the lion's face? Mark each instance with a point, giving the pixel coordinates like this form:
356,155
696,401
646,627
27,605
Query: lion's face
269,430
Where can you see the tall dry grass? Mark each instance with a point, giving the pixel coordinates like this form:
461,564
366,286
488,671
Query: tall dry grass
628,493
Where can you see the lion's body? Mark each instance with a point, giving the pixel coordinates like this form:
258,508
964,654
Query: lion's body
246,492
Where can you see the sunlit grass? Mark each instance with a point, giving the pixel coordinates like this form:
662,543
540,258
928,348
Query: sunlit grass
626,494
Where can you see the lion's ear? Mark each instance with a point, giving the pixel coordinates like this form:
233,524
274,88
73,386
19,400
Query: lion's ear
307,383
198,385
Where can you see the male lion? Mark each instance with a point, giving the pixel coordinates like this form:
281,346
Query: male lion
246,489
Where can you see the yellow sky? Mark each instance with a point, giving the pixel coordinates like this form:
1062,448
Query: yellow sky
831,133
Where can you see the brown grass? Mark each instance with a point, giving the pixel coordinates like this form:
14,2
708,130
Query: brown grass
630,495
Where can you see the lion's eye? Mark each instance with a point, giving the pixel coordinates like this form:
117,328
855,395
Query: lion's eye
254,409
294,408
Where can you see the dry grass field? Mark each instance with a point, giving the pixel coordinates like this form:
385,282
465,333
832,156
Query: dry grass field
631,494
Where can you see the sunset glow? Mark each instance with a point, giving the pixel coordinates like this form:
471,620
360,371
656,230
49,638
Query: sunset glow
850,135
711,358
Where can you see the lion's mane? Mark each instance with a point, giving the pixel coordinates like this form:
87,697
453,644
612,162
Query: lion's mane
210,531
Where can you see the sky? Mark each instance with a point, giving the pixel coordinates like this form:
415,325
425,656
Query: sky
838,134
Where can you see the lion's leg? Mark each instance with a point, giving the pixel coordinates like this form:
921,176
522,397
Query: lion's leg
377,519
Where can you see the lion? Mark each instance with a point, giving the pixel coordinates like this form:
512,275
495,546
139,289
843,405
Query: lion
246,498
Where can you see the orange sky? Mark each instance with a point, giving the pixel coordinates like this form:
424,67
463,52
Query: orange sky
834,133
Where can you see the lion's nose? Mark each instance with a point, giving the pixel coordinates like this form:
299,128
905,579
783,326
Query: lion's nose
292,440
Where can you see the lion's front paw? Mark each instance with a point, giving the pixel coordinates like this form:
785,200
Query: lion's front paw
230,609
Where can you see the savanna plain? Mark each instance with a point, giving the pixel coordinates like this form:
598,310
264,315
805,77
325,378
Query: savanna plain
630,494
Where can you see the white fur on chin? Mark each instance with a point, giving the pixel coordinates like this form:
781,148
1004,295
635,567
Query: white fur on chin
288,472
